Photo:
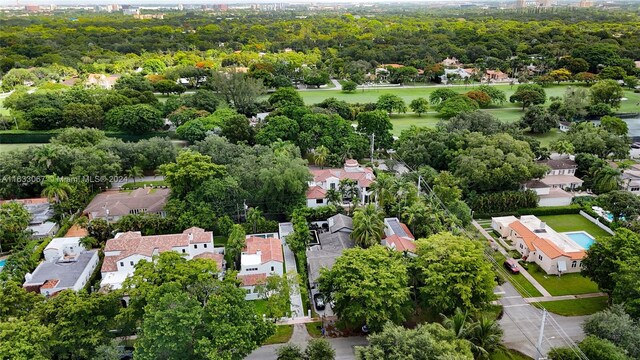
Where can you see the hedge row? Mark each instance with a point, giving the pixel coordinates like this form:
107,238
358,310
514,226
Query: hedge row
540,211
41,137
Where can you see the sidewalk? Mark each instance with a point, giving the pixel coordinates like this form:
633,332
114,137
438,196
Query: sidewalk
563,297
297,310
523,272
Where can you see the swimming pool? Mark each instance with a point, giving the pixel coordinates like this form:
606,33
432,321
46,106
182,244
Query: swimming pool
581,238
2,262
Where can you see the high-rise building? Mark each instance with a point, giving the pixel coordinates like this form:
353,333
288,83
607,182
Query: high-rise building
544,3
520,4
585,3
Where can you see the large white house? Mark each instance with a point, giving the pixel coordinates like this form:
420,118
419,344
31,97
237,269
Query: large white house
631,179
122,253
67,265
555,253
261,257
329,179
552,189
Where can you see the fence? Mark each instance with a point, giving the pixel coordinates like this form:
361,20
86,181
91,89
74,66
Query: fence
597,222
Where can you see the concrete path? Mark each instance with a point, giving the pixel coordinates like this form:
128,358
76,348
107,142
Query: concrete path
523,271
337,84
297,310
344,349
563,297
521,325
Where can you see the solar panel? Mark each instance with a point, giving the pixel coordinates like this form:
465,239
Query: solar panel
394,224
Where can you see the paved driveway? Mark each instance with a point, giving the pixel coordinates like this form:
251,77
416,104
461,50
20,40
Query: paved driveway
521,325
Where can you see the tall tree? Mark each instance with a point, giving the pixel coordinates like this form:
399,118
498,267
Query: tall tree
368,226
452,273
367,286
56,189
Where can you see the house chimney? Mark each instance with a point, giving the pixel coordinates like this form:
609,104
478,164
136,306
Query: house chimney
190,237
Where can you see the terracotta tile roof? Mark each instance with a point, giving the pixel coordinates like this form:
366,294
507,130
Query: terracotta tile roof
218,258
252,279
534,242
316,192
76,231
270,249
527,235
120,203
400,244
32,201
407,231
131,243
363,176
50,284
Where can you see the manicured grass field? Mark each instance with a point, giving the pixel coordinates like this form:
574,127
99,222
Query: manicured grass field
282,335
573,222
512,355
524,287
507,112
313,328
576,307
11,147
567,284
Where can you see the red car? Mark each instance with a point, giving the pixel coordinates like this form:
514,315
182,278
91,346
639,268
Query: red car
512,266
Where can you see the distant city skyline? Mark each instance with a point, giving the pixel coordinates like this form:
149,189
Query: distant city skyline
210,2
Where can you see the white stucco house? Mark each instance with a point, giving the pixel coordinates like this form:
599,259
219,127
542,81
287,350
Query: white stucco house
556,253
631,179
261,257
122,253
555,187
327,179
67,265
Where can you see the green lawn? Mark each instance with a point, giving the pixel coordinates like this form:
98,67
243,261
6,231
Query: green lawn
507,112
282,335
139,184
512,355
548,138
313,329
260,305
575,307
3,110
573,222
524,287
11,147
567,284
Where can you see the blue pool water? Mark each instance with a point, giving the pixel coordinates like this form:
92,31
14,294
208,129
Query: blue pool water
583,239
2,262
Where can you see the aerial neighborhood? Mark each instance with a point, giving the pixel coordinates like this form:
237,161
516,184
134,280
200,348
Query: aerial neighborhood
309,181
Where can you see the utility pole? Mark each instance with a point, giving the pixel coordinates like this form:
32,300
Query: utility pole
373,141
539,344
419,180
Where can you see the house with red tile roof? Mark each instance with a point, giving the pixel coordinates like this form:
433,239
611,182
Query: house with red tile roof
122,253
262,256
556,253
398,236
111,205
329,179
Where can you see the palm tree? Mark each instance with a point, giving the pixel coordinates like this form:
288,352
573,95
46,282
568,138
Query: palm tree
485,336
382,190
44,154
458,323
254,216
56,189
368,226
606,179
334,197
135,172
320,155
415,214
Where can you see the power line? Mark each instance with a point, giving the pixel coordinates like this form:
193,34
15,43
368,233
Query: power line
563,335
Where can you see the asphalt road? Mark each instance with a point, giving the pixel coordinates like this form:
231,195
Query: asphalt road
521,325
